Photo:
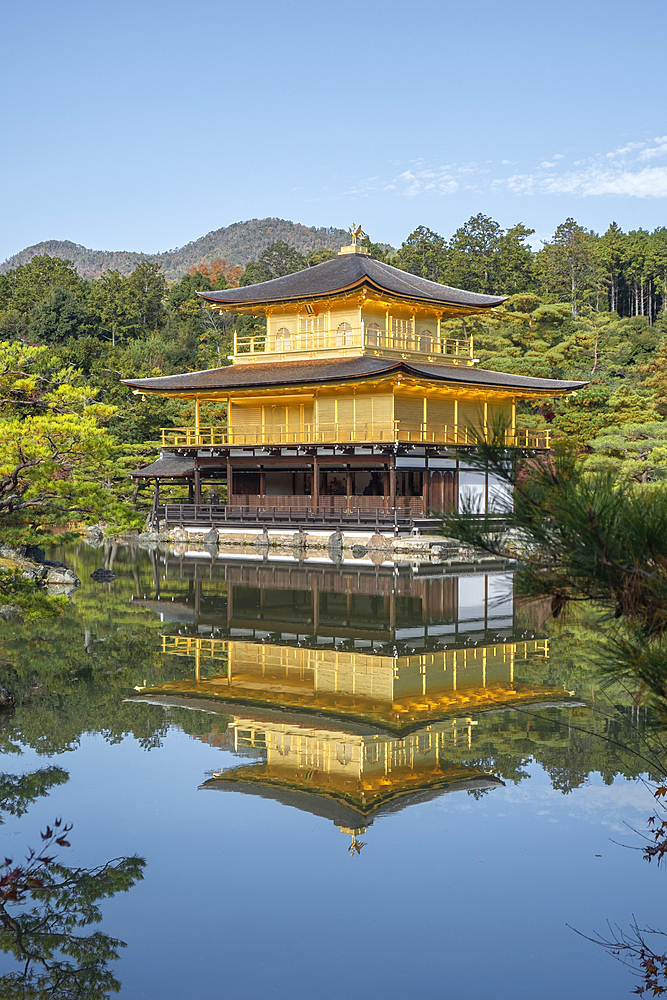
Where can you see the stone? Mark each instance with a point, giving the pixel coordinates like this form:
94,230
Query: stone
94,536
102,575
63,575
34,553
180,535
359,551
378,541
8,552
7,699
263,540
11,613
148,538
35,573
211,537
335,541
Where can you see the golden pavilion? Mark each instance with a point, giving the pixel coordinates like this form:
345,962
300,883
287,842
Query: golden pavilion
349,692
353,403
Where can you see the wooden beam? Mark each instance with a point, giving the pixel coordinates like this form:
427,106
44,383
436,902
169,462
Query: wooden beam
315,493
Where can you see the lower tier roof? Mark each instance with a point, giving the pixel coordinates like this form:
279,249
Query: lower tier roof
300,373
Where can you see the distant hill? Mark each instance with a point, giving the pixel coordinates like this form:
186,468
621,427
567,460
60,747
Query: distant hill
238,243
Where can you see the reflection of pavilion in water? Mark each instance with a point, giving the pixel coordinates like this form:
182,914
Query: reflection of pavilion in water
351,704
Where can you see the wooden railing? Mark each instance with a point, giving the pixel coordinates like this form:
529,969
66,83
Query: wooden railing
458,350
341,433
267,513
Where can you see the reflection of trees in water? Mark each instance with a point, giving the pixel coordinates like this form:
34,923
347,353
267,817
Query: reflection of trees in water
18,791
45,906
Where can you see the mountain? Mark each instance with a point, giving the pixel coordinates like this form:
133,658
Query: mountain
237,244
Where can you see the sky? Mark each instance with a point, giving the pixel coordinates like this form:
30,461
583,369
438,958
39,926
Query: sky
143,125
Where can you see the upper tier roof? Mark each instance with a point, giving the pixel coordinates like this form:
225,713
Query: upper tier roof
319,372
347,272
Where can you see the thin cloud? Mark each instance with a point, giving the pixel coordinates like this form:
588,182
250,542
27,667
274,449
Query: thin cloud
630,170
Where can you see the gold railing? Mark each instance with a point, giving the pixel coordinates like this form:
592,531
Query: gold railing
397,431
361,337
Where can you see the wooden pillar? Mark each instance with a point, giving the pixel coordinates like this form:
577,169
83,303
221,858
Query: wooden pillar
315,495
392,482
348,487
262,487
197,484
426,493
191,491
230,484
197,441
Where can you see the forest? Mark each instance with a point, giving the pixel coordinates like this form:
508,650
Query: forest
584,306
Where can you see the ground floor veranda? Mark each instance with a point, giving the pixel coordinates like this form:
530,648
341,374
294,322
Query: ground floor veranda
338,483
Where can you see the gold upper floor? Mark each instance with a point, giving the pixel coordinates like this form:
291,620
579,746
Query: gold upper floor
348,330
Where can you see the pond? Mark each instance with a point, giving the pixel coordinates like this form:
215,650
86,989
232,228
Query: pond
426,789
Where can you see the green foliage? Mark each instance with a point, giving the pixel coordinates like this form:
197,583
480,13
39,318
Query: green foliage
44,907
632,451
581,536
19,791
24,593
274,262
424,253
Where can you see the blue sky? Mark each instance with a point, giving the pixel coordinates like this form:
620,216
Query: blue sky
143,125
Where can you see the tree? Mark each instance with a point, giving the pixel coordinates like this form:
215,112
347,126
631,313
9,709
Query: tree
58,317
657,378
28,284
569,263
630,451
424,253
113,301
320,256
19,791
584,536
44,906
473,254
147,288
612,252
52,434
280,259
514,265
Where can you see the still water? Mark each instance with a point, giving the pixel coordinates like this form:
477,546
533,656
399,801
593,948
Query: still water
347,781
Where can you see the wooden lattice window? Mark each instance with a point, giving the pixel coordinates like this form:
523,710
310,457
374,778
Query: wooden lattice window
344,335
373,335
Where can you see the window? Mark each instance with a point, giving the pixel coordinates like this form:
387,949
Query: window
425,341
311,324
283,339
403,327
373,335
344,335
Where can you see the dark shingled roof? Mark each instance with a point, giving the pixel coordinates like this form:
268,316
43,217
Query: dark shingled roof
168,465
345,814
303,373
345,272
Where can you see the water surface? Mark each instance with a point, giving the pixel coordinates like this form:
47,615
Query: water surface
347,781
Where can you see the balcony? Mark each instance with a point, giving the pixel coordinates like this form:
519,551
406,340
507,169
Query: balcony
349,340
398,432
